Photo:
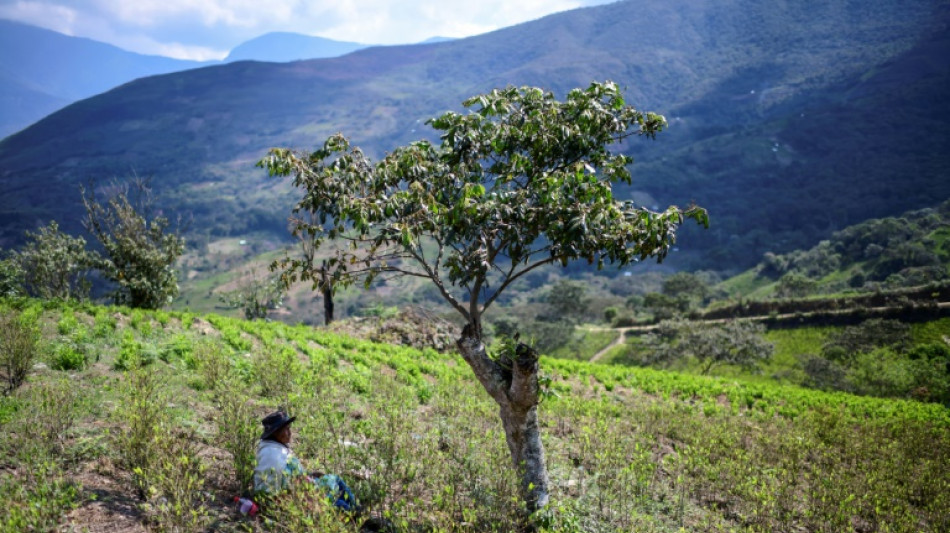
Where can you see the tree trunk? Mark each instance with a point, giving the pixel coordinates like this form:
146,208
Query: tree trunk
513,384
326,288
527,453
327,306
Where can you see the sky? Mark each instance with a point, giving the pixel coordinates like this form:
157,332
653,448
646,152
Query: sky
208,29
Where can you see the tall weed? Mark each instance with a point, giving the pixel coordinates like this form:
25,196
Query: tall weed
237,431
19,346
141,417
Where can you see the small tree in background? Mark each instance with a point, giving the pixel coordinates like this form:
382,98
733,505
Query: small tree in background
54,265
689,289
256,294
11,277
795,285
523,181
736,342
568,302
140,250
307,265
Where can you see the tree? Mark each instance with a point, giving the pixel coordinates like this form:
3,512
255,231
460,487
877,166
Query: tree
795,285
567,301
308,266
689,289
140,252
736,342
662,306
521,182
11,277
53,264
255,295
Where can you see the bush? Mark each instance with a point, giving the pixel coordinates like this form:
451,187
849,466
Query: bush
238,432
19,341
67,323
881,372
105,324
67,356
176,483
824,374
134,354
49,411
179,347
212,363
276,369
142,418
38,500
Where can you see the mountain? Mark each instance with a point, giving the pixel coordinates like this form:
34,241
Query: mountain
787,120
437,39
22,103
280,47
41,70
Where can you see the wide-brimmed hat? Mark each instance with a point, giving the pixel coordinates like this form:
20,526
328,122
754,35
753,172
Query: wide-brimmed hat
274,421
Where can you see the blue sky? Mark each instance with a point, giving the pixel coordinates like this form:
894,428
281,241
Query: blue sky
207,29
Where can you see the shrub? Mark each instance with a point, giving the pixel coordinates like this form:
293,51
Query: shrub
67,323
176,483
212,363
66,356
133,353
179,347
276,369
881,372
48,413
38,500
54,265
19,341
105,324
142,418
237,432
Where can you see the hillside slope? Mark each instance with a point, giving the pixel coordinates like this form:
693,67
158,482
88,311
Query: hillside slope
627,449
775,114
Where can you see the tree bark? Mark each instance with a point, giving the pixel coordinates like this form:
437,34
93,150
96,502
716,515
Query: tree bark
326,288
513,384
327,306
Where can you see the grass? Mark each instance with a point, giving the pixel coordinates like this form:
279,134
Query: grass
417,438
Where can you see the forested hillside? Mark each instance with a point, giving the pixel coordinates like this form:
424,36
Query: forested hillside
788,121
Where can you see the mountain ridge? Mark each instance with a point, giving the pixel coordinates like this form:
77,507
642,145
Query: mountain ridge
728,106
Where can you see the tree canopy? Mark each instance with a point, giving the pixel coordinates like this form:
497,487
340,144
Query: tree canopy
521,181
140,249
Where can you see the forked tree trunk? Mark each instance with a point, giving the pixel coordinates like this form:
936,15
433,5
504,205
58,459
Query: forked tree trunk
517,394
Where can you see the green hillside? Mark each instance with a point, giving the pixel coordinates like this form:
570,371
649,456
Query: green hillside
908,250
628,449
775,118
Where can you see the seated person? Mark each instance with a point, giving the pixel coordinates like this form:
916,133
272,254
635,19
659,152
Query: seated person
277,466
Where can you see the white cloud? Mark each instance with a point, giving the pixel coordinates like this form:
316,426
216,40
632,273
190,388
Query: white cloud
233,13
56,17
204,29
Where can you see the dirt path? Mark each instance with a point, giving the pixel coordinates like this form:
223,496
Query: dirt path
618,341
